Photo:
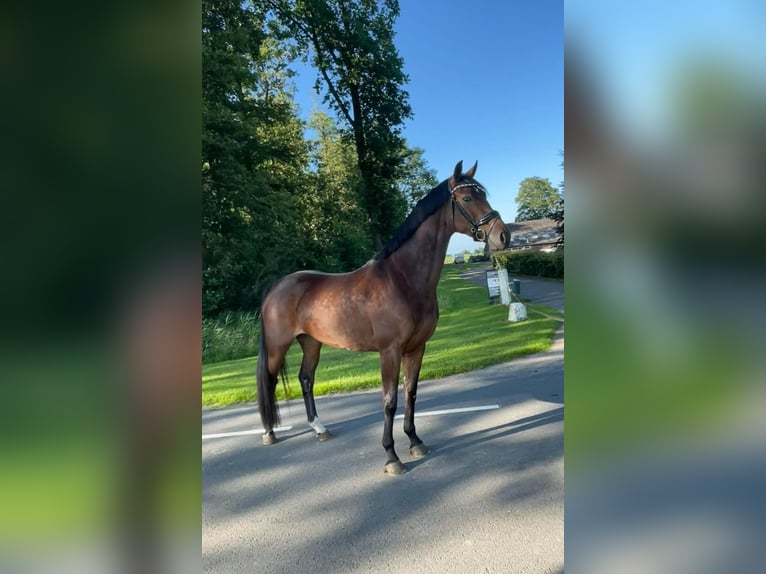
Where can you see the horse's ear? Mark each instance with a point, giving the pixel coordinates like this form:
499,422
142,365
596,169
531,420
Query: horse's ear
472,171
458,171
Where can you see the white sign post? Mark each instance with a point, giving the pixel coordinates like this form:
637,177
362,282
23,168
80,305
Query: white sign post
505,295
493,286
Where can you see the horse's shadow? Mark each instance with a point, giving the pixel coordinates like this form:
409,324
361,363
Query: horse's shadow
456,444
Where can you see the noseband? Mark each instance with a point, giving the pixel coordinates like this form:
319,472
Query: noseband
478,234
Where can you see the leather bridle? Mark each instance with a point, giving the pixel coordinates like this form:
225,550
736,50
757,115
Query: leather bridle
477,233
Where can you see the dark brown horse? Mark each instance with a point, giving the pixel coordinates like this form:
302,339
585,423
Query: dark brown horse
388,305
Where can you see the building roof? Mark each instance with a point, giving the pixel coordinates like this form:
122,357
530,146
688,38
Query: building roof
534,231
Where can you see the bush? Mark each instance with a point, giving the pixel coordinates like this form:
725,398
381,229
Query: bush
230,336
529,262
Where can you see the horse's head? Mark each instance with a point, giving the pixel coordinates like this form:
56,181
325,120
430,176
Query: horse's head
472,214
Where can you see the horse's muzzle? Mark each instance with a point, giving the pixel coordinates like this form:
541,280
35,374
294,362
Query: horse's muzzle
497,237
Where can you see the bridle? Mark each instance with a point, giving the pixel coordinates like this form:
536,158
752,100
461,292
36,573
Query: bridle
477,233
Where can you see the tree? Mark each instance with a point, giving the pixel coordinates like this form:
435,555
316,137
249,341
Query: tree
253,158
537,199
415,178
336,227
351,46
272,201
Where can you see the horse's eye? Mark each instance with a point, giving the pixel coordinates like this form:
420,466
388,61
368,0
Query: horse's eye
466,198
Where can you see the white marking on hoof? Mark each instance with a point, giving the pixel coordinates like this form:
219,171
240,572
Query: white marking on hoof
317,426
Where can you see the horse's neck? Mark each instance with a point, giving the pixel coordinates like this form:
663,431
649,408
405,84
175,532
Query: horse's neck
422,256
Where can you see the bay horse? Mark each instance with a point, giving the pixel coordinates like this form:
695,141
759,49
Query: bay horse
388,305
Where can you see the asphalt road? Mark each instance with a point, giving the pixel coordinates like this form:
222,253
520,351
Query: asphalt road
489,497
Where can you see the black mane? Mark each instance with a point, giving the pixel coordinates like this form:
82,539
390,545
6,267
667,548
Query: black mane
423,209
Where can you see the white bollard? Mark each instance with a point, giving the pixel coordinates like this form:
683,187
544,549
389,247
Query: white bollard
505,290
517,312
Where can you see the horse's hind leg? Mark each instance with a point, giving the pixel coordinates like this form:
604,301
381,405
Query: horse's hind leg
390,362
311,348
411,366
268,377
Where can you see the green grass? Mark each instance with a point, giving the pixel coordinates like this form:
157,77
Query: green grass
471,334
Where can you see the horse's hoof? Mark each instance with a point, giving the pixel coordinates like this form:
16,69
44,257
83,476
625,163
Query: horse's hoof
419,450
395,467
269,438
326,435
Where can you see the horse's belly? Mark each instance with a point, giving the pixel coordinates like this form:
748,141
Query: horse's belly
350,345
348,334
347,343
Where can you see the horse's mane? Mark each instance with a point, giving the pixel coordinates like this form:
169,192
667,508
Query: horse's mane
423,209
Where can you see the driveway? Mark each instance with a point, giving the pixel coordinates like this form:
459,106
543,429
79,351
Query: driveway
489,497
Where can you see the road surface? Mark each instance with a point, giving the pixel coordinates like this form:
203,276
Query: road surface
489,497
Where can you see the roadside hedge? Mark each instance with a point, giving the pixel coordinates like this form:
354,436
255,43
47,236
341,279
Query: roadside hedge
527,262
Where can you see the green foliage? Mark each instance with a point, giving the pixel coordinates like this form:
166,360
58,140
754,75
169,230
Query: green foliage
274,202
537,199
557,214
230,336
333,221
528,262
351,44
415,177
253,157
471,334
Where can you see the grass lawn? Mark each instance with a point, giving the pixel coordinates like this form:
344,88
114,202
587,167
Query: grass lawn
471,334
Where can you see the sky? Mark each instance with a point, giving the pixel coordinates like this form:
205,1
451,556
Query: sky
486,84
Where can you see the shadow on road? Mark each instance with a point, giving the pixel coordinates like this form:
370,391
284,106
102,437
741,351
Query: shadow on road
253,482
327,507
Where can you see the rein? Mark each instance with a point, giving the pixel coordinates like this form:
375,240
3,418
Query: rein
477,233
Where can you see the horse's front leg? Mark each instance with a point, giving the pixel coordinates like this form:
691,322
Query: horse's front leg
390,362
411,363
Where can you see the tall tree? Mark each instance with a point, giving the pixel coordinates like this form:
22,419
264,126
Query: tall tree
416,178
537,199
252,157
351,44
336,227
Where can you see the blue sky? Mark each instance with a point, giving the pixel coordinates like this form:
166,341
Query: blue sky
487,84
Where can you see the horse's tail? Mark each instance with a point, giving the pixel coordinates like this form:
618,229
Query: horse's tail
267,385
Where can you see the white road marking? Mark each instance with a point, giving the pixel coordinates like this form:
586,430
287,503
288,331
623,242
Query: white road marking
242,433
450,411
316,420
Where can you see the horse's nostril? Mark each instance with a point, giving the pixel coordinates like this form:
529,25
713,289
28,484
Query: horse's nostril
502,238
